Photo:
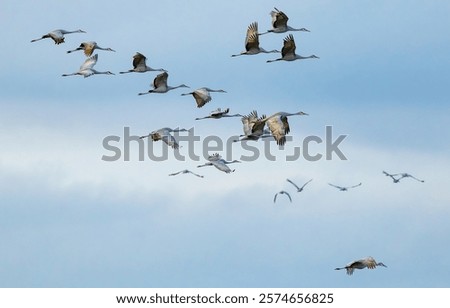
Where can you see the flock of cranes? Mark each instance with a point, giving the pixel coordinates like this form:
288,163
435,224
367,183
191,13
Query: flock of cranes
254,126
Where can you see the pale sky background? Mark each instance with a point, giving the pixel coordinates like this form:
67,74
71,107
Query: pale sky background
69,219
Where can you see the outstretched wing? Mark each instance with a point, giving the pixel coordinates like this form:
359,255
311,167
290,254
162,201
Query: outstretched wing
214,157
279,127
298,188
139,60
202,97
407,175
89,63
170,141
290,199
279,18
355,185
200,176
340,187
306,183
288,46
275,198
172,174
160,80
252,38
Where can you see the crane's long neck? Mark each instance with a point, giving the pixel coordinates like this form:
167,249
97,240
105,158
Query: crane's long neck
102,73
268,51
268,31
279,59
173,88
301,29
75,31
231,115
149,69
101,48
177,130
307,57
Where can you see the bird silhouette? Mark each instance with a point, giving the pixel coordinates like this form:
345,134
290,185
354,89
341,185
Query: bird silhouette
299,189
341,188
57,35
185,171
89,47
252,42
288,51
140,65
368,262
164,135
282,192
203,95
87,68
217,161
219,113
279,23
160,85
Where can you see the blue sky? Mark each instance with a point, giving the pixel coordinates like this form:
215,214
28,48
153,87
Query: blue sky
69,219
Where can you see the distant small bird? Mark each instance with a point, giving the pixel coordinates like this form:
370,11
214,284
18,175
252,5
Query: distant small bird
345,188
281,193
392,176
288,51
86,69
202,95
252,42
217,161
368,262
57,35
160,85
140,66
279,23
401,176
219,113
186,171
299,189
164,135
89,47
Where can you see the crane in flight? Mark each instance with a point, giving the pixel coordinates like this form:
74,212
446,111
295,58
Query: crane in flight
140,65
203,95
398,176
164,135
279,125
368,262
185,171
288,51
341,188
299,189
282,192
219,113
217,161
252,42
253,127
57,35
160,85
279,23
87,68
89,47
